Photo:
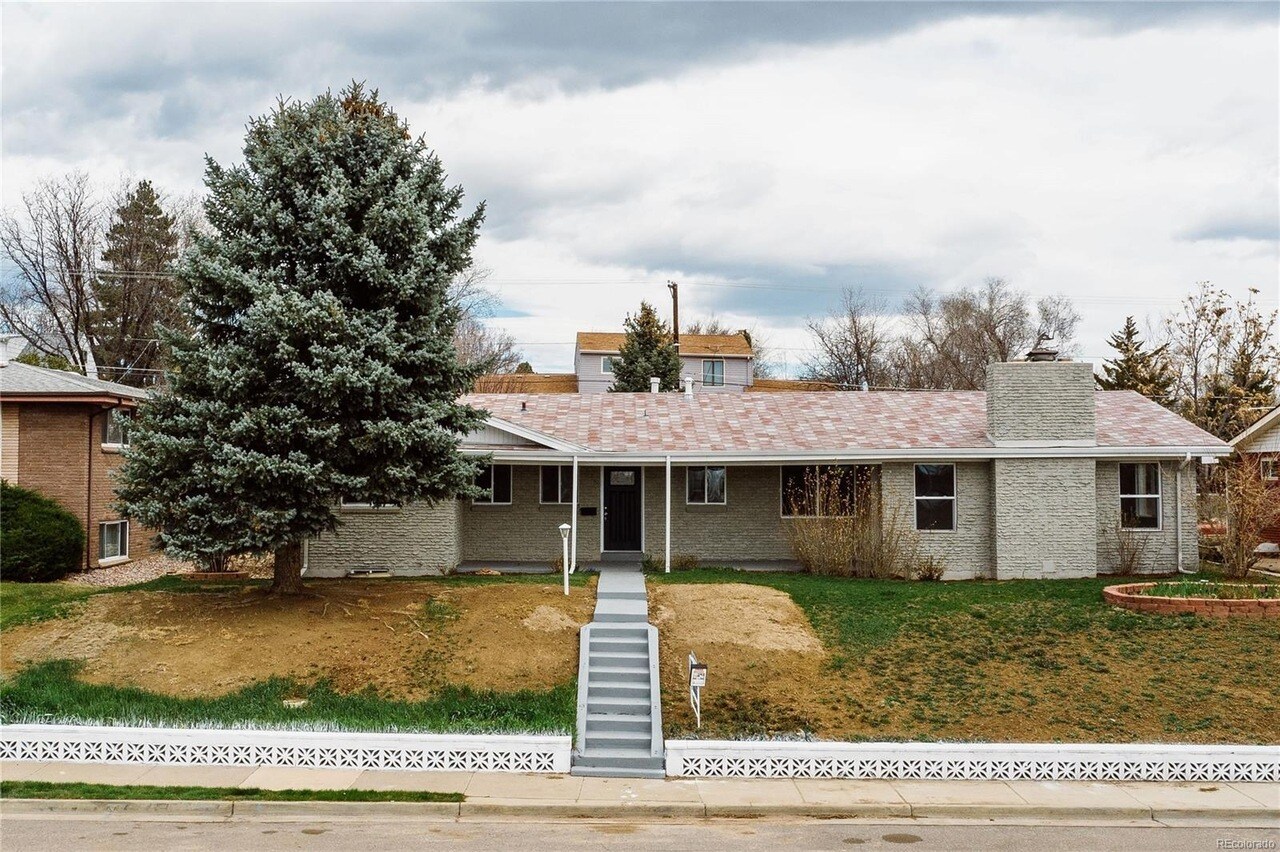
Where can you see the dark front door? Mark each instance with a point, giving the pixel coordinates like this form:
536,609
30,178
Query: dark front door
622,509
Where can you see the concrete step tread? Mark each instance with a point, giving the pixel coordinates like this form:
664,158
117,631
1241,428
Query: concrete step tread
616,772
595,672
613,654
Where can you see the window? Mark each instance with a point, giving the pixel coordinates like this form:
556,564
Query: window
606,364
344,503
810,491
1270,469
1140,496
705,486
113,540
713,374
115,427
935,497
495,480
557,483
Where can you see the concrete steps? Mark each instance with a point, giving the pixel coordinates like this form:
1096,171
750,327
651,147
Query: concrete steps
619,714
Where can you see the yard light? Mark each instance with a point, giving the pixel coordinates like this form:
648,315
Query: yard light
564,563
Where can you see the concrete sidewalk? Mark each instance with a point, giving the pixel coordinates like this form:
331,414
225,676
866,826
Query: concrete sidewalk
509,794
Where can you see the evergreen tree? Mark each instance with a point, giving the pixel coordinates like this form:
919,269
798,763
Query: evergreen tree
320,360
1136,368
137,291
524,367
647,351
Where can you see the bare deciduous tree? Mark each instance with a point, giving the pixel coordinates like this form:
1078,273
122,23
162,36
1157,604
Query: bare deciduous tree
476,342
764,367
52,242
855,346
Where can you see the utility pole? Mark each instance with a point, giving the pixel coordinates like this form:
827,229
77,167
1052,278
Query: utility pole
675,312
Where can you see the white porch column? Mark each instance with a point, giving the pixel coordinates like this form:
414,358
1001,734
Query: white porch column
666,526
573,521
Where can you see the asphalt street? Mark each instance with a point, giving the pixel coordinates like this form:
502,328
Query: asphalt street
108,832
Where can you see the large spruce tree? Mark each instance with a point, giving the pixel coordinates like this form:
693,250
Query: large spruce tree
1137,368
320,360
647,351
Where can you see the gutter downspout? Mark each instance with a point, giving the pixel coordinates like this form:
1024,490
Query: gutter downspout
666,525
573,522
88,496
1177,490
306,552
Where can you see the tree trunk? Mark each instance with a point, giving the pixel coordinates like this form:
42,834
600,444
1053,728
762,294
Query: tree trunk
287,579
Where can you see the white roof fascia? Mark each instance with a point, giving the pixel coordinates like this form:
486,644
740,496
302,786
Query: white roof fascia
535,436
859,455
1259,425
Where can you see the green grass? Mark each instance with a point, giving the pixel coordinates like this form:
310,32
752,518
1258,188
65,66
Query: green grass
1216,591
51,691
1020,660
51,790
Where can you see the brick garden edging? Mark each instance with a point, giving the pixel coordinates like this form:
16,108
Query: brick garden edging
1130,596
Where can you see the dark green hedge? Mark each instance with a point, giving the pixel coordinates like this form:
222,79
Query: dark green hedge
39,540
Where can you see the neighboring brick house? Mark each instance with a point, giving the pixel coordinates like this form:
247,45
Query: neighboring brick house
1036,477
61,435
1262,440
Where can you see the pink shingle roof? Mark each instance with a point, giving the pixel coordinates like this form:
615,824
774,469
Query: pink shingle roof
800,422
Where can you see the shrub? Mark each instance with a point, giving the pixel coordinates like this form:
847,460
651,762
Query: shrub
855,536
930,568
679,562
39,540
1131,549
1251,508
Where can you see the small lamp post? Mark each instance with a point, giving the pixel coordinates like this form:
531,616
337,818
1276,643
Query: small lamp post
564,563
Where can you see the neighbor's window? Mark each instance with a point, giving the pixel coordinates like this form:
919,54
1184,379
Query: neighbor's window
1270,469
1140,496
606,364
814,490
935,497
115,427
495,480
557,483
113,539
713,373
705,485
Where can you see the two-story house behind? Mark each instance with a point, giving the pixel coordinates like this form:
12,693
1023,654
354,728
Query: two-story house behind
721,363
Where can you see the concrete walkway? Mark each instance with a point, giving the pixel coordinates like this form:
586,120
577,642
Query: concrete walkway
512,794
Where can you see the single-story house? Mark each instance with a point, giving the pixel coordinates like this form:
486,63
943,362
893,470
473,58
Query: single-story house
1262,440
1039,476
61,435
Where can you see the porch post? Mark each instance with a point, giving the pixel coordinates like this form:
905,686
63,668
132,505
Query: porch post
573,521
666,526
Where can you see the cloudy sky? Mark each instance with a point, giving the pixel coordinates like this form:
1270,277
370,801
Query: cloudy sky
764,155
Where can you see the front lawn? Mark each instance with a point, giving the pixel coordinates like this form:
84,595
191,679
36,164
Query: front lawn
1035,660
434,654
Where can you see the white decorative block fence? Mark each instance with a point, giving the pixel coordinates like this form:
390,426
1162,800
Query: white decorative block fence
219,747
985,761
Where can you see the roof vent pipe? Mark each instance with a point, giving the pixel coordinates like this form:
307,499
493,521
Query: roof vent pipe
655,384
688,385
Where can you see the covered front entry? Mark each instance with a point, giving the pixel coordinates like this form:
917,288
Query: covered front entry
623,508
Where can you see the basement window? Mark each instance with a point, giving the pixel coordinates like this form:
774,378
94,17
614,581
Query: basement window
495,481
1140,496
935,497
557,483
705,486
113,540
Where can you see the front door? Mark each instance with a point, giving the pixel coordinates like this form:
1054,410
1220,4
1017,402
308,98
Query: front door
622,508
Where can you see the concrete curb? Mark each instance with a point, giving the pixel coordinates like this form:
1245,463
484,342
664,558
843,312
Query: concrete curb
1244,817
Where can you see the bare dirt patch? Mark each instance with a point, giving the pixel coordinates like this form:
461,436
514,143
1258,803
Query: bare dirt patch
766,664
404,638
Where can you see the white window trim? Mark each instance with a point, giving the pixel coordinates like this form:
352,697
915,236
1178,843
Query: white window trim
123,557
954,498
111,446
1158,496
782,506
705,383
1269,464
560,471
606,359
724,502
491,501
